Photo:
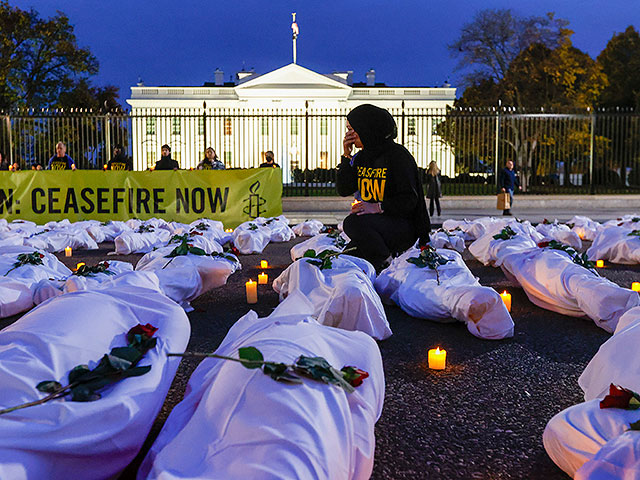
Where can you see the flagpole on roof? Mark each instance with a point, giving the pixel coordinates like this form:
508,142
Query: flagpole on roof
296,31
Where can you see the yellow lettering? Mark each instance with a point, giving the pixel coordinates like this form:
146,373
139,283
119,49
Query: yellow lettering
365,191
378,190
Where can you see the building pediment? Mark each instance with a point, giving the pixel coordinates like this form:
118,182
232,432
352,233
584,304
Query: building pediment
293,81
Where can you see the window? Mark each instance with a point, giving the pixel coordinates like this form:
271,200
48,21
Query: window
200,126
294,126
411,126
176,156
227,159
227,128
324,155
176,127
323,126
434,125
151,126
264,126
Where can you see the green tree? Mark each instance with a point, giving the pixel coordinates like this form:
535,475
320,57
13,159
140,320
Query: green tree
40,60
620,61
495,37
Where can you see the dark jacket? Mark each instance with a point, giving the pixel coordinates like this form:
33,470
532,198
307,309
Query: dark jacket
120,162
166,163
60,163
434,189
384,171
507,179
207,164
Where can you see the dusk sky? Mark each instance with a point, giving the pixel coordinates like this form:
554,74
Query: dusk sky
166,42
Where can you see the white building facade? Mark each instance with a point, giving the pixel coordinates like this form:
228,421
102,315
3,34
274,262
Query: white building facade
295,112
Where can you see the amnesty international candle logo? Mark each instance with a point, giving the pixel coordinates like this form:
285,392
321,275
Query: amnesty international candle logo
255,201
371,182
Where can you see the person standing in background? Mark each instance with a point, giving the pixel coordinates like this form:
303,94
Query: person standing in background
270,161
119,161
166,162
434,188
4,163
61,161
211,161
507,182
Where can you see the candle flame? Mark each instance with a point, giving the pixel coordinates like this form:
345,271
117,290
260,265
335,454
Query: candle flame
438,350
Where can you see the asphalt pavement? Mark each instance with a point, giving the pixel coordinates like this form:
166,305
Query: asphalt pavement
481,418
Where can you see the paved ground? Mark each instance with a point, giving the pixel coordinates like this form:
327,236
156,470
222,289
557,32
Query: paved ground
481,418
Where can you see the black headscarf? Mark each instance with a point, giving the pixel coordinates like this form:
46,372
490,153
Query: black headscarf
374,125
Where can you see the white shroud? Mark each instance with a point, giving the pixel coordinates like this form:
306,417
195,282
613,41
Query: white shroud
236,423
64,439
342,296
459,296
616,245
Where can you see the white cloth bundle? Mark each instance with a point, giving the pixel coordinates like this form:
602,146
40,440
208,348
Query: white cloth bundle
491,251
15,296
308,228
459,295
444,239
133,242
76,283
111,230
205,242
251,237
342,296
561,233
236,423
631,222
62,439
320,243
10,239
616,245
51,267
280,229
212,272
212,229
553,281
584,227
591,442
57,240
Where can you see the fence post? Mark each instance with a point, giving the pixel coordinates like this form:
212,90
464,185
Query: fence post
591,146
497,144
108,149
7,119
306,148
204,124
402,124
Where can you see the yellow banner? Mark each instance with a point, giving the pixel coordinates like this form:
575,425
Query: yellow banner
231,196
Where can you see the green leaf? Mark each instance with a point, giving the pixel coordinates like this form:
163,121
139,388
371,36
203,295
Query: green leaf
83,394
311,253
49,386
118,363
279,372
131,354
136,371
197,251
251,354
78,372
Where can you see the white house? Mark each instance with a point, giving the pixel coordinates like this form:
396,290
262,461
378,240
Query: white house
295,112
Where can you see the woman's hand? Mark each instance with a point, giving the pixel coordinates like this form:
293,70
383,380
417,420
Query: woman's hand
366,208
348,141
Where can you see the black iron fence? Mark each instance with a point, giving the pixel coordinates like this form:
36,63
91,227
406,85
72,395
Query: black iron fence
583,152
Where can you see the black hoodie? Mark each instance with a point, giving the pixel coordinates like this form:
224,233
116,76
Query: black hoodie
383,171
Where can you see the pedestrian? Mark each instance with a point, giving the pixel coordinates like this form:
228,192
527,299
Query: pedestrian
61,161
434,187
392,213
210,161
4,163
507,182
166,162
269,161
119,161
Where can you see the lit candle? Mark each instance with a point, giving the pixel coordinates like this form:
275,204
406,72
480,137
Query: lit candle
437,358
599,263
635,286
263,278
506,298
252,291
79,265
355,202
67,252
229,230
264,264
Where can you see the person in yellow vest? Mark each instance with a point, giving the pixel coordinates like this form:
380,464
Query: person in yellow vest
392,213
61,161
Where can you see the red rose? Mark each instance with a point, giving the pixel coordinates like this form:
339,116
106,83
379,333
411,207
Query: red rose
543,244
106,264
140,329
424,247
620,397
354,376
